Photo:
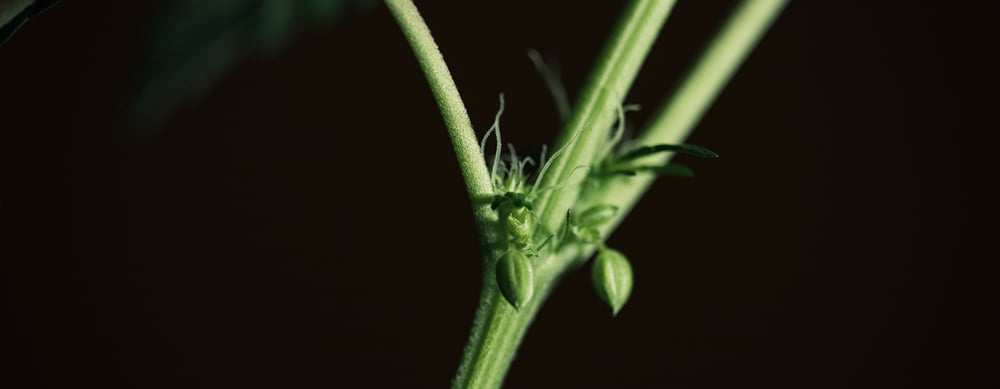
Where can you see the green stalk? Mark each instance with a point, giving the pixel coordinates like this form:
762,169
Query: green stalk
589,126
497,332
702,84
456,119
497,329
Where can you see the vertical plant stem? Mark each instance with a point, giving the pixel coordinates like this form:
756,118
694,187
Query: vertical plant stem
496,335
497,329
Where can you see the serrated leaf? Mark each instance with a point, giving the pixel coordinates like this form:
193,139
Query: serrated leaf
193,43
643,151
14,13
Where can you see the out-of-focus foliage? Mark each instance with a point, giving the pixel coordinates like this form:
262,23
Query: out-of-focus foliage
14,13
193,43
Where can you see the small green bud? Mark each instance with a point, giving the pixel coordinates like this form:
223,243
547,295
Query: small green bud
589,234
519,227
516,278
611,275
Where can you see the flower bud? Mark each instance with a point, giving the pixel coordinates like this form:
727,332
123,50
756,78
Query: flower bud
611,275
519,227
516,278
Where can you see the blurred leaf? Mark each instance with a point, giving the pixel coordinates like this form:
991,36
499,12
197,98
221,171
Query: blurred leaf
643,151
670,170
193,43
14,13
596,215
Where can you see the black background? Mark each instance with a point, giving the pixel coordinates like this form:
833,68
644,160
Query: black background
304,225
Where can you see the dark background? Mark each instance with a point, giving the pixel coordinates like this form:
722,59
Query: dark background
304,225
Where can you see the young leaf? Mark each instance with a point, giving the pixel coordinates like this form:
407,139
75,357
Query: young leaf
643,151
516,278
611,275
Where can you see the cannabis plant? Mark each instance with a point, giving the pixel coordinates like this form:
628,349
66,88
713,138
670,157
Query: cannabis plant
535,225
538,217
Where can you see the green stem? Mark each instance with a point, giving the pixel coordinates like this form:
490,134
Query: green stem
498,329
456,119
702,84
714,68
595,112
497,333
